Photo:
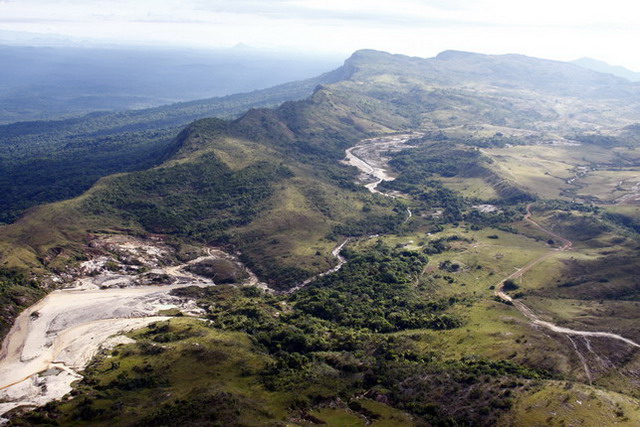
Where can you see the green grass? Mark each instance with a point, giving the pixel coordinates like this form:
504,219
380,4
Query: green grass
375,414
491,329
609,185
281,225
350,335
498,332
533,169
558,404
172,362
545,170
471,187
630,210
338,417
388,416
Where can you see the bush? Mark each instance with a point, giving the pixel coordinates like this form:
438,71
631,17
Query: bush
510,285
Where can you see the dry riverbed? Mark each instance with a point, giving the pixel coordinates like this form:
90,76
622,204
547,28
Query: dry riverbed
371,157
126,285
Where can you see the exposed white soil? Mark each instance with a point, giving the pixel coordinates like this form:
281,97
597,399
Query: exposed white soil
123,288
370,157
65,330
632,196
486,208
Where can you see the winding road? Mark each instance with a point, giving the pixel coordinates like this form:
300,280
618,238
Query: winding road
366,156
54,339
527,312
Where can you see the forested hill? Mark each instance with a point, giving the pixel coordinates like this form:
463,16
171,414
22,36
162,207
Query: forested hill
414,321
292,151
382,92
53,160
45,161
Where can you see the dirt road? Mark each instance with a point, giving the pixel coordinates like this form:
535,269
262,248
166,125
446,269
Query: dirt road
566,245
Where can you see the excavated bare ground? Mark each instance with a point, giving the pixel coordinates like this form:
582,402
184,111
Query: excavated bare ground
125,285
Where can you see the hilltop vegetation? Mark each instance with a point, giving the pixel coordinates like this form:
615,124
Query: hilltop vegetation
45,161
409,330
372,92
17,292
279,358
303,200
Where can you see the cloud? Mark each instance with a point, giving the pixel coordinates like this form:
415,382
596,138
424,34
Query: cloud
559,29
383,13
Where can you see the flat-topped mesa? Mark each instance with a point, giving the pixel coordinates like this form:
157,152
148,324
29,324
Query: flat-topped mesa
449,55
514,71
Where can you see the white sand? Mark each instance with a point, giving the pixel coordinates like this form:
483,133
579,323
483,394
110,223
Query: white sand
53,340
68,327
68,331
369,156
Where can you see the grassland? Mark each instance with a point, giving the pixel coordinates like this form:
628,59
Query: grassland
498,331
609,186
134,378
558,404
589,173
409,330
281,217
474,188
293,229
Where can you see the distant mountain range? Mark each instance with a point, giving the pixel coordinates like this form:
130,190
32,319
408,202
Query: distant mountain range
71,154
603,67
465,87
41,83
416,326
372,93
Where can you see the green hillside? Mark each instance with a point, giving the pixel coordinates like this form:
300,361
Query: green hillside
514,219
45,161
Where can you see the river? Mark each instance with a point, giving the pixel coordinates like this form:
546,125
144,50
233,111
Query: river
53,340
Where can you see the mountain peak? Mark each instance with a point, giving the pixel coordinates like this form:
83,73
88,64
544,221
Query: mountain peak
604,67
368,55
448,55
368,52
454,68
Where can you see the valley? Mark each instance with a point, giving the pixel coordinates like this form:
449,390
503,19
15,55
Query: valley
418,242
536,321
52,341
374,167
370,157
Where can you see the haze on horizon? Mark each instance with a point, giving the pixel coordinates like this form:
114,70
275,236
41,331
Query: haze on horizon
561,30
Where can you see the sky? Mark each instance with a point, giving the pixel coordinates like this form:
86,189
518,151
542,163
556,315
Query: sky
554,29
